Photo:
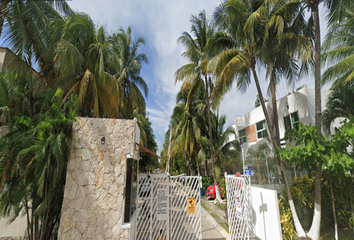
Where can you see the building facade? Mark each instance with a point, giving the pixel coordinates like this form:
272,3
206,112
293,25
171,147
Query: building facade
252,133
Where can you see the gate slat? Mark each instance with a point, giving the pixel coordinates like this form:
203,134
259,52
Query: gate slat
183,225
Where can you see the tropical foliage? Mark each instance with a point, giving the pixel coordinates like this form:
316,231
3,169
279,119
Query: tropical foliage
81,71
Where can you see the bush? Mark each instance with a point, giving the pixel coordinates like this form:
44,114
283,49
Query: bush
223,186
287,226
207,181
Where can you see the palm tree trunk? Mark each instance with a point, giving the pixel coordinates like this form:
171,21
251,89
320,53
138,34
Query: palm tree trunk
334,210
261,99
314,232
274,103
28,219
298,227
3,6
218,197
206,167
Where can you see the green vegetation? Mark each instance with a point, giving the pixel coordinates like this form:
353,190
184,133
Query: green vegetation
224,225
205,207
279,37
222,207
83,71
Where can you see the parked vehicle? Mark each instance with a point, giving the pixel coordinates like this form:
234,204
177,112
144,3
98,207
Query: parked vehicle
211,194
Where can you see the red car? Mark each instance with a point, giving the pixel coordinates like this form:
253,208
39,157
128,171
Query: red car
211,192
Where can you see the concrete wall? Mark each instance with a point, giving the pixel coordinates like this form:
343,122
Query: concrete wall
95,183
265,214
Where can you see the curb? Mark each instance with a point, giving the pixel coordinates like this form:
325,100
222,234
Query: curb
222,231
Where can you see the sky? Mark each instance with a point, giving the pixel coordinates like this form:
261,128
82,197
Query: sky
161,22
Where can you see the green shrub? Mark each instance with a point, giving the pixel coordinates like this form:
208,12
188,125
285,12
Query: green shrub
207,181
287,226
223,186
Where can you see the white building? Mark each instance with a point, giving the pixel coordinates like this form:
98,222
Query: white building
252,132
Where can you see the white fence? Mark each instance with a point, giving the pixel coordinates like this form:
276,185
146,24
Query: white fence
239,207
168,208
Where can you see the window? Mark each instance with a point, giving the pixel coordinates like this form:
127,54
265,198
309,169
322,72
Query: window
261,129
130,189
291,121
294,119
243,137
227,140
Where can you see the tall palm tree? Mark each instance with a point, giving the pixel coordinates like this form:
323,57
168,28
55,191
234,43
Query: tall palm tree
24,26
33,159
133,85
226,151
336,10
188,131
199,56
34,10
83,60
339,105
339,49
263,32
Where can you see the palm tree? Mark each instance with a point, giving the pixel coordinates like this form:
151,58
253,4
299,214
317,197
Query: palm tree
188,130
339,48
226,152
129,73
26,26
199,56
33,10
339,105
147,139
33,159
264,32
82,60
336,10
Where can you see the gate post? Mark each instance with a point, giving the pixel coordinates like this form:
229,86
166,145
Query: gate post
168,205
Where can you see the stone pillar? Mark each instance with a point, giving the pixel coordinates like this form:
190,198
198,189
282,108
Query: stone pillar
95,182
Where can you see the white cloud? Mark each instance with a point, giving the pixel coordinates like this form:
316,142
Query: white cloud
161,23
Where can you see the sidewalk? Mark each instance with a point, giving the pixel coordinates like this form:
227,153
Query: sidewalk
218,214
210,230
212,219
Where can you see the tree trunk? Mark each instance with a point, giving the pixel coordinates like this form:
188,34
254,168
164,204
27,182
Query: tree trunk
274,104
314,232
206,167
261,99
298,227
28,219
3,6
334,210
218,197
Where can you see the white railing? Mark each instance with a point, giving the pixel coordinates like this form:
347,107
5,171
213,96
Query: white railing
238,192
162,208
185,225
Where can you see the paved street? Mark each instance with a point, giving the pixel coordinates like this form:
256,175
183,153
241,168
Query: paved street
209,231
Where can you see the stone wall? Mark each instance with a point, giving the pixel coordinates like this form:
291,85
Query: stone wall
95,181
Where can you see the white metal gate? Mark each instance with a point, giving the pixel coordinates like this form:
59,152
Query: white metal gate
162,208
238,190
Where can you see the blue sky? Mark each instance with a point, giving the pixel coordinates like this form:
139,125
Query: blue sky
161,22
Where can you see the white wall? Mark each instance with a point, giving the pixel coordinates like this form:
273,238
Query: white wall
265,214
2,58
15,229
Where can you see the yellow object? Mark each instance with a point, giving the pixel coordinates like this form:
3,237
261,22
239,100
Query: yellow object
190,204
